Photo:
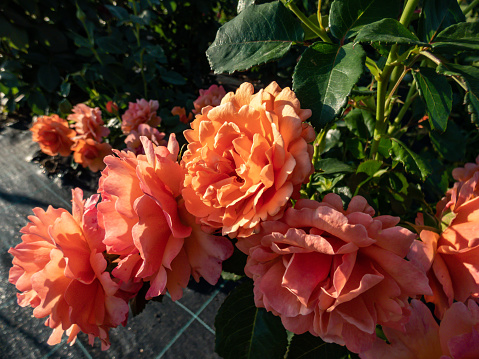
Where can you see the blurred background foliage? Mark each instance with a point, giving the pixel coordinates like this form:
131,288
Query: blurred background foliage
56,53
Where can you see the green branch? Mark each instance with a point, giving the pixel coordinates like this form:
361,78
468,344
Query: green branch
321,32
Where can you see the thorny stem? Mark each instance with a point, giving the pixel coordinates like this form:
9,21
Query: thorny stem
321,32
411,96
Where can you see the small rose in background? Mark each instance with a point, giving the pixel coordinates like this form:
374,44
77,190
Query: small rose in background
90,153
53,135
112,107
148,227
142,111
133,142
246,158
181,112
210,97
59,269
456,337
333,272
88,122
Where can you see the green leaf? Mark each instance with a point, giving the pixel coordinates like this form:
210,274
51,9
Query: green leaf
111,45
48,77
65,89
332,165
470,74
118,12
246,332
370,167
260,33
307,346
348,16
437,15
388,31
413,163
173,78
459,37
324,77
437,95
65,106
243,4
450,144
360,123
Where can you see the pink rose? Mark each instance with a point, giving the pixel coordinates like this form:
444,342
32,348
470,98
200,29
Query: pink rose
451,259
133,142
210,97
88,122
147,224
140,112
457,337
60,269
333,272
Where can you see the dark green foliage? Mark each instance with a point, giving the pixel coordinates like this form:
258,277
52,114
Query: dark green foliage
245,331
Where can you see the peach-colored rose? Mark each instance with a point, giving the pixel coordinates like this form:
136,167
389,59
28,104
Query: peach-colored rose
147,225
133,142
246,157
333,272
88,122
89,153
210,97
60,270
457,337
181,112
53,135
140,112
451,259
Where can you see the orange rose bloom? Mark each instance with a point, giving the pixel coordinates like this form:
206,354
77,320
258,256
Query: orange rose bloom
90,153
146,223
246,157
60,270
53,135
181,112
452,258
88,122
333,272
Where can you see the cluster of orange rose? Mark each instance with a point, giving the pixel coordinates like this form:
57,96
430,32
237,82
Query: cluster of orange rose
336,273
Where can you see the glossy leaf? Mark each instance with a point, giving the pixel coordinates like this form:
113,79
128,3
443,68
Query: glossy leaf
348,16
324,77
458,37
437,95
110,45
118,12
260,33
437,15
243,4
413,163
370,167
244,331
470,74
332,165
388,31
307,346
